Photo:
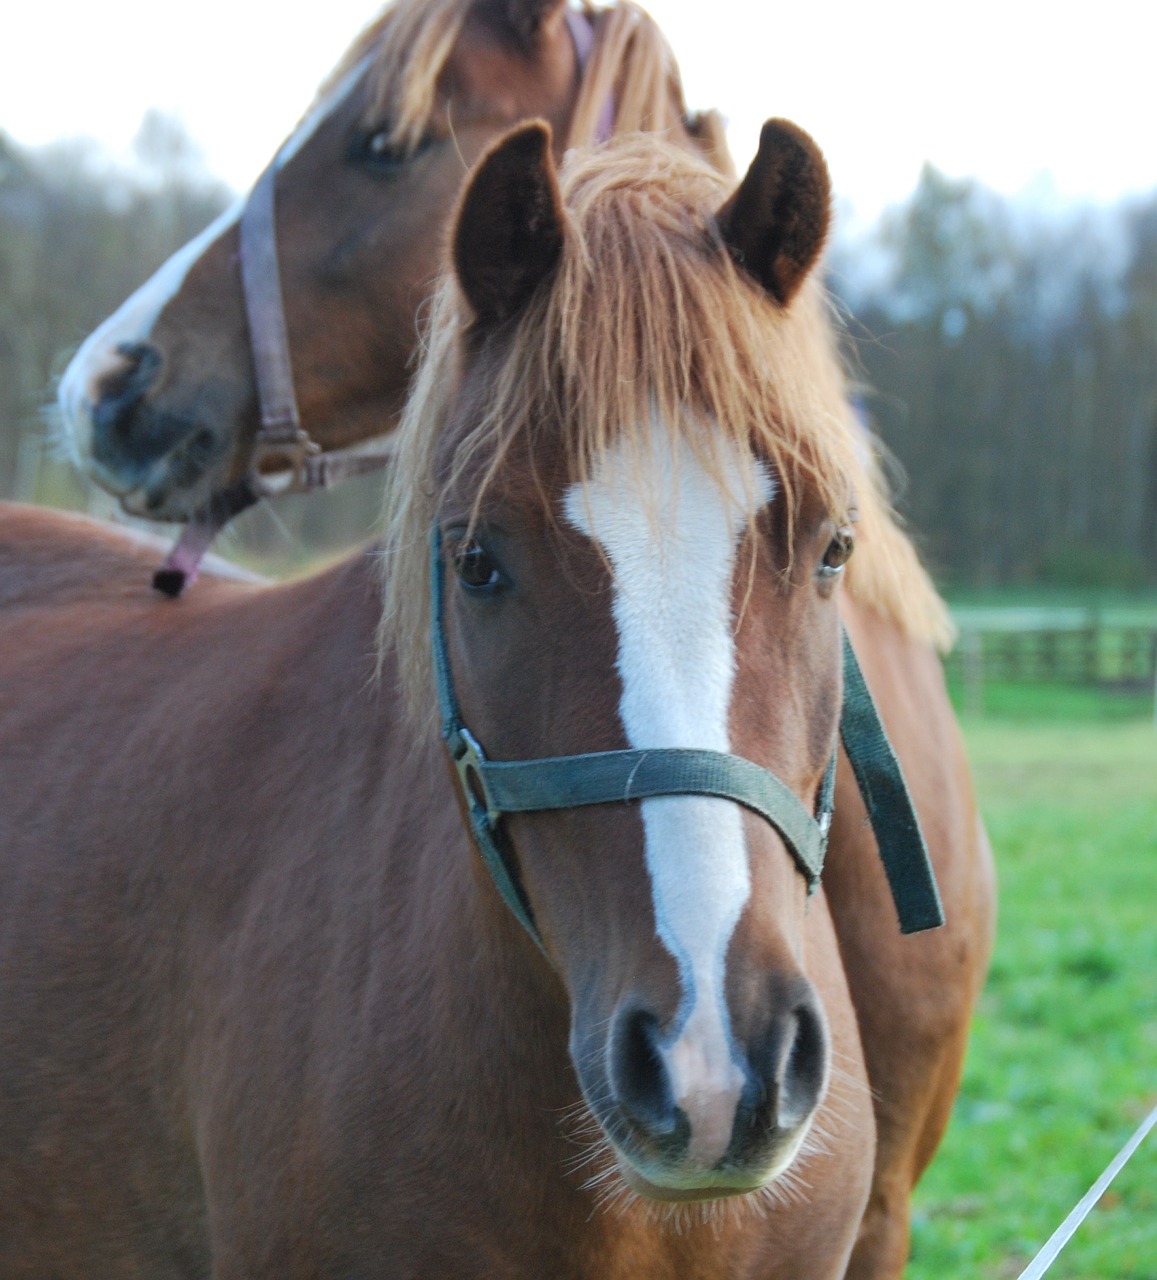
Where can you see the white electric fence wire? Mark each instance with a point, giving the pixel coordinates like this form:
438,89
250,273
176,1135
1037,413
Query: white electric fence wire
1063,1234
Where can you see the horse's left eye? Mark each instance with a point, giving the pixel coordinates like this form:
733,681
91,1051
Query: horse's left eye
836,556
474,567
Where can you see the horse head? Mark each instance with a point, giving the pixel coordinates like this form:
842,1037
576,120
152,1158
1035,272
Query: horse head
624,436
161,402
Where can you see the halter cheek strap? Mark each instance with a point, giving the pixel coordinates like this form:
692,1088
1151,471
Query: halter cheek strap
280,437
889,804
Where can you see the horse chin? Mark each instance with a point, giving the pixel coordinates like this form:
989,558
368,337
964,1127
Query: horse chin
681,1185
176,484
679,1194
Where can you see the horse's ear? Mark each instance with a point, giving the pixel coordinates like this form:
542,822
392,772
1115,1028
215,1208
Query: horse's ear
520,19
776,222
509,231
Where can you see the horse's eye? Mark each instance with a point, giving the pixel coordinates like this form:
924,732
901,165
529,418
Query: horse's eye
474,567
379,150
836,556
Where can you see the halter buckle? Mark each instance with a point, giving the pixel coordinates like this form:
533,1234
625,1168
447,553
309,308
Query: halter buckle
292,448
468,759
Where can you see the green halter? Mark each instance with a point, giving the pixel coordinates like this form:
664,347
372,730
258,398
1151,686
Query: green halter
491,788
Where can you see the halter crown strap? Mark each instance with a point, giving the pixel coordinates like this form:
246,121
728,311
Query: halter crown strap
582,33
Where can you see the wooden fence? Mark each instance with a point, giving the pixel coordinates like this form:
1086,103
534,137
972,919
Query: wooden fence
1114,648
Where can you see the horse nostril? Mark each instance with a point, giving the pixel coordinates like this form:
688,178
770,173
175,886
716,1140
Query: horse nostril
120,391
638,1074
803,1067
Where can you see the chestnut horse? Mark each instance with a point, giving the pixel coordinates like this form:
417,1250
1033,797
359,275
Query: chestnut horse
163,408
263,1011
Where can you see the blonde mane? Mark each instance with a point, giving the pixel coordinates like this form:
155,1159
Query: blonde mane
410,42
646,317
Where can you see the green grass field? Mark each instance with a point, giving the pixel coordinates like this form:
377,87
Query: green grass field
1063,1061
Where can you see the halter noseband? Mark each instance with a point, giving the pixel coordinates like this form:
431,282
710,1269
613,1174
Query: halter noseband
491,788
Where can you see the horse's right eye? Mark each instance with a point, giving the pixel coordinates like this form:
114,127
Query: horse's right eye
474,567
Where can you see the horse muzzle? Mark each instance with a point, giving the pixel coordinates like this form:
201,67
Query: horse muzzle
694,1116
159,463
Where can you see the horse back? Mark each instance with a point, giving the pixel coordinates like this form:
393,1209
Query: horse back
52,557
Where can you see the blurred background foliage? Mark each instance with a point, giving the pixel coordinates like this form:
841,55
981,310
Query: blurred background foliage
77,235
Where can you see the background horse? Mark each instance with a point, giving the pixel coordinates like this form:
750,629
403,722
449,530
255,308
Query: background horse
263,1011
164,407
160,404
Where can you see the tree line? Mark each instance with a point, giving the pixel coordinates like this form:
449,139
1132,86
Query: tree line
1007,359
77,235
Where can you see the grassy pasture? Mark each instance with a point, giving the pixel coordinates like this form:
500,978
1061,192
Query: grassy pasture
1063,1061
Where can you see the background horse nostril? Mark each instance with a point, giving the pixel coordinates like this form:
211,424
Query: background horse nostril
120,391
638,1074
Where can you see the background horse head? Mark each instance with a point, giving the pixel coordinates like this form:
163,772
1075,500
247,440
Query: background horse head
161,403
642,481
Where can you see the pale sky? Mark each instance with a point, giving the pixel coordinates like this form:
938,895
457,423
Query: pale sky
1054,97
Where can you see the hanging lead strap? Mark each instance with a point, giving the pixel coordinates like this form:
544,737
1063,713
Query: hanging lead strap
890,810
180,567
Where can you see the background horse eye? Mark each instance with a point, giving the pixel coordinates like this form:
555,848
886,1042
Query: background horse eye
378,149
474,567
839,549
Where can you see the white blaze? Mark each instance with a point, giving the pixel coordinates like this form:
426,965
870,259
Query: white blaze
671,532
132,322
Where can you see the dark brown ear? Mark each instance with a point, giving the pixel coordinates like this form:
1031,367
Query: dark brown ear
509,231
776,222
519,20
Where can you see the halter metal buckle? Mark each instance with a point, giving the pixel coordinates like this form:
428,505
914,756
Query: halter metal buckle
293,448
468,759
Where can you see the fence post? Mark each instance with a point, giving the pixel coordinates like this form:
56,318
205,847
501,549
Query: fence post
971,652
1154,647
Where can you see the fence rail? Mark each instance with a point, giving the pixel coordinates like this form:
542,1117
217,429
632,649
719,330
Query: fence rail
1114,648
